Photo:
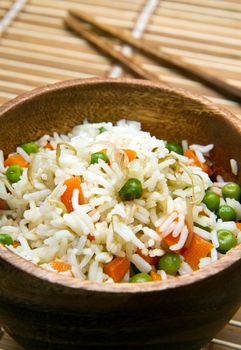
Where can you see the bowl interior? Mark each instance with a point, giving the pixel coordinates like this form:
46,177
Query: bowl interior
167,113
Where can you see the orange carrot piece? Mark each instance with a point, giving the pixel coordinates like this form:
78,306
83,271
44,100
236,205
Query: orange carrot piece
196,162
130,154
170,240
117,268
49,146
191,155
60,266
199,248
3,205
238,224
72,184
16,159
206,168
155,276
16,244
151,260
90,237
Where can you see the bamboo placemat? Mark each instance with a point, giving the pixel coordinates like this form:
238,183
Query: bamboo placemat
36,49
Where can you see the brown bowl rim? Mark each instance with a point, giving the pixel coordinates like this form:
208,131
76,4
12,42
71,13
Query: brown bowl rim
70,282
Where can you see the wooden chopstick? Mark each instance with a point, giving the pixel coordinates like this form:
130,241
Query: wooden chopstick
175,62
107,48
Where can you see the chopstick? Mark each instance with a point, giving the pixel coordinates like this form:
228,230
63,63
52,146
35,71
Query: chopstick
175,62
107,48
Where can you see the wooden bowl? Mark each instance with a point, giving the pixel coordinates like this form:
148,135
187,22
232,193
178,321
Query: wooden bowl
43,310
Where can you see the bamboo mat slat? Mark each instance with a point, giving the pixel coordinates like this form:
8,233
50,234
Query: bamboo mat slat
199,17
37,49
228,5
4,7
100,6
6,4
78,53
195,7
188,24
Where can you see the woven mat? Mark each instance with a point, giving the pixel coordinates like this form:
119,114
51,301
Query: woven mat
36,49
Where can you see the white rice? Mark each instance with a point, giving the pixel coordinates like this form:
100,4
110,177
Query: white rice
202,233
220,179
234,166
201,148
2,168
204,262
105,227
185,268
23,154
239,237
200,156
156,252
214,255
163,274
141,264
184,145
235,205
182,240
214,238
151,233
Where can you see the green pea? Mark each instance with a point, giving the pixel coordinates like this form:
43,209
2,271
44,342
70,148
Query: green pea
102,129
14,172
232,190
175,147
30,147
212,201
95,157
227,213
5,239
131,190
140,277
170,263
227,240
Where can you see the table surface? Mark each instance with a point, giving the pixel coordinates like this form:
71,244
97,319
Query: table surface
36,49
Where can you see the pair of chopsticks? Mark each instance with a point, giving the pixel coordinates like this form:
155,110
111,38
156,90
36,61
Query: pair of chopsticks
75,22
